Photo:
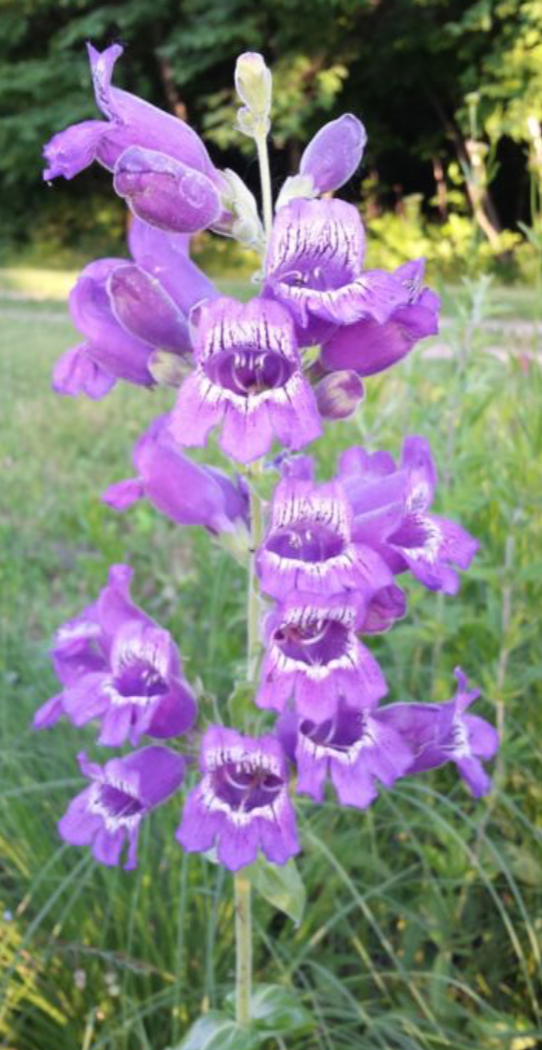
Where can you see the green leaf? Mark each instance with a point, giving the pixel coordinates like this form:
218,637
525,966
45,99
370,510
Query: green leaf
216,1031
282,887
274,1008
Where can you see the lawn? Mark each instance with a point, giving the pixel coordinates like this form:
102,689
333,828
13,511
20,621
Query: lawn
423,928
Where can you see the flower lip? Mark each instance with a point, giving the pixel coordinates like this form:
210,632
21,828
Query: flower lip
243,783
341,737
306,542
140,679
249,371
117,803
314,635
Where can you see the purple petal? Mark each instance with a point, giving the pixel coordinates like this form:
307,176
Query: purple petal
474,774
159,772
333,155
78,826
49,713
483,737
124,494
187,492
76,373
107,846
165,256
354,784
85,700
72,150
111,348
279,839
199,826
136,122
175,714
238,845
145,310
384,608
166,192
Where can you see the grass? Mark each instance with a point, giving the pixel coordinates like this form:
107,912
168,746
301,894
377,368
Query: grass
423,926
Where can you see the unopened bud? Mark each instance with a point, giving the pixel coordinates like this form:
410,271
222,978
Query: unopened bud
253,83
338,394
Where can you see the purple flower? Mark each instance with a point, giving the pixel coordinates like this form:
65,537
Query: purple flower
354,748
439,733
391,514
241,803
314,266
160,165
108,813
130,311
314,658
370,346
309,547
332,156
116,665
247,380
189,493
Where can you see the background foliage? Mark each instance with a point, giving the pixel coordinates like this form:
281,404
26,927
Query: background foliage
408,67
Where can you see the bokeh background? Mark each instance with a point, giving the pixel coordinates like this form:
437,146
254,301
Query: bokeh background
423,925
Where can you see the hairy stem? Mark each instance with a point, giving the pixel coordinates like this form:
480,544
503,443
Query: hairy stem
265,179
243,939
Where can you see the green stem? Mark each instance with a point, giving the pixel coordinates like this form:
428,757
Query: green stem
242,889
265,179
243,938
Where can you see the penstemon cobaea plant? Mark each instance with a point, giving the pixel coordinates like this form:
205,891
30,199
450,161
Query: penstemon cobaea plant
322,556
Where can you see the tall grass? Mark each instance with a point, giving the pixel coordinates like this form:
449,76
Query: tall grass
423,925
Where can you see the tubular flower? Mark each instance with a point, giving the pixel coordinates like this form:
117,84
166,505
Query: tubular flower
309,547
391,514
370,346
188,493
247,380
130,311
314,266
355,749
161,167
241,803
116,665
314,657
108,813
440,733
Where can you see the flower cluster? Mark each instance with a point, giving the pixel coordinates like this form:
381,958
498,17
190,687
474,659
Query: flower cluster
263,373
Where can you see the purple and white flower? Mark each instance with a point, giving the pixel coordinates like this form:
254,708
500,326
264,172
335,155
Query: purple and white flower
355,749
118,666
391,514
314,658
189,493
129,312
160,165
248,381
370,345
308,545
440,733
242,803
314,266
107,815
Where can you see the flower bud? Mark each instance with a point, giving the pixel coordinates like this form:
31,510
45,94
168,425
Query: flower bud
253,83
338,394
